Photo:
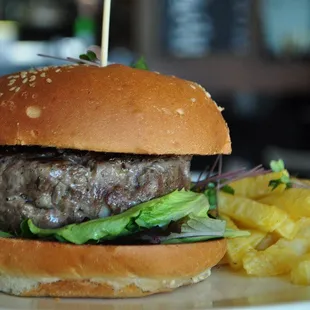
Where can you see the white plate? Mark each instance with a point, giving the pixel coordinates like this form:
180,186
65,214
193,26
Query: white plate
223,290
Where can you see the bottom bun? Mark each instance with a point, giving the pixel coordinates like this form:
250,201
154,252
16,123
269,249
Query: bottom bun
38,268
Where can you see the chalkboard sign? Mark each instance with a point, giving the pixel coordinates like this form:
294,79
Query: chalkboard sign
193,28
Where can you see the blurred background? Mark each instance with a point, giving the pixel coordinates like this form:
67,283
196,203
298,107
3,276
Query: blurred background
253,56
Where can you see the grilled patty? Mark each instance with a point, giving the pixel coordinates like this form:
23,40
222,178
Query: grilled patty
59,187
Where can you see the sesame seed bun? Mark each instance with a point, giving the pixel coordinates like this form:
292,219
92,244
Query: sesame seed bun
31,268
111,109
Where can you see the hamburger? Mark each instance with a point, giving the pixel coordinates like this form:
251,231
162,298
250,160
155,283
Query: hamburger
95,188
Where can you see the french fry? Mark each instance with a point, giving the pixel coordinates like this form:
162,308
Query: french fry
300,273
237,247
288,229
303,228
270,262
295,201
278,259
229,222
267,241
256,187
252,214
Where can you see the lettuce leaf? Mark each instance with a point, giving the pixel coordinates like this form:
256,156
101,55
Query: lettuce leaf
4,234
159,212
199,228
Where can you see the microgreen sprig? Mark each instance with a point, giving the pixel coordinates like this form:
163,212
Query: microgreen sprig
278,166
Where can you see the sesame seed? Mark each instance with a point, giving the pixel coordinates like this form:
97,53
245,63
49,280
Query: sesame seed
180,111
23,74
45,68
25,80
33,112
43,74
32,78
13,88
33,71
1,94
208,95
48,80
221,109
193,99
25,94
192,86
15,76
17,89
12,82
32,84
58,70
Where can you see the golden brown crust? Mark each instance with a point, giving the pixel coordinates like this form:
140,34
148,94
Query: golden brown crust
73,267
110,109
85,289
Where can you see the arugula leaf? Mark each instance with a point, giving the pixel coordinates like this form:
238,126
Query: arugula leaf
277,165
228,189
157,212
140,64
4,234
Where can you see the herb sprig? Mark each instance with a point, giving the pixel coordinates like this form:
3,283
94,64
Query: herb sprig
278,166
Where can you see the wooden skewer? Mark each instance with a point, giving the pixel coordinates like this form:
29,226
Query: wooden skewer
105,32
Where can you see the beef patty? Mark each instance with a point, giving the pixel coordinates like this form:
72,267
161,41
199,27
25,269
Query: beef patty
58,187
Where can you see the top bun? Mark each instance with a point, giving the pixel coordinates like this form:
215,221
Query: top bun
110,109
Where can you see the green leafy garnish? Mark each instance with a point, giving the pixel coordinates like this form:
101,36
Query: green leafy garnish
4,234
140,64
228,189
285,180
278,166
90,56
201,228
157,212
211,194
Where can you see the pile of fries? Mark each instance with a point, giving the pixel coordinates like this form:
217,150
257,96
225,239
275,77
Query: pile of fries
279,223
